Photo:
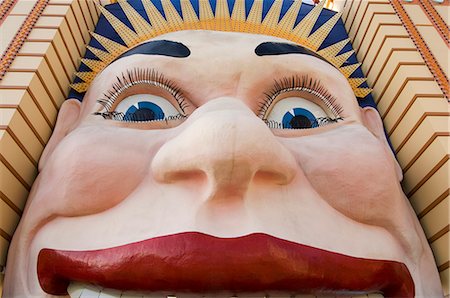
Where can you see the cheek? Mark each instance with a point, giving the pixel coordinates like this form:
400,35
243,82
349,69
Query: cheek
352,172
94,169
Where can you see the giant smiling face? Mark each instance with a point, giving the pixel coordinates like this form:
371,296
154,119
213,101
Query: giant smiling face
219,167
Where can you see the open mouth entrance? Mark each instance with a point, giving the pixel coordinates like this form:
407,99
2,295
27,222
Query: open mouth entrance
202,265
79,290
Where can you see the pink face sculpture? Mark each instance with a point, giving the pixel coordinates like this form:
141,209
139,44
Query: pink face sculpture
222,168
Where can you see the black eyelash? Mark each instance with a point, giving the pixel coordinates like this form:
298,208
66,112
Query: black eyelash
321,121
300,83
119,116
138,76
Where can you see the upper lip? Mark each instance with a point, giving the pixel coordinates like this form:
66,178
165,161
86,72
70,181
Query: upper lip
196,262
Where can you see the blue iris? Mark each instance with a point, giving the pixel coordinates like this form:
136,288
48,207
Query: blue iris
299,118
146,111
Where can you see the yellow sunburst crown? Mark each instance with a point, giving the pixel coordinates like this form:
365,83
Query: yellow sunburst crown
288,19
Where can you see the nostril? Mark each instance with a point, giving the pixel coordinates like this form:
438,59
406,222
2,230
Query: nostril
179,176
270,176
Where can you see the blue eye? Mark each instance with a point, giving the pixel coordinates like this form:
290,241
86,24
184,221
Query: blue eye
299,118
145,107
296,113
145,111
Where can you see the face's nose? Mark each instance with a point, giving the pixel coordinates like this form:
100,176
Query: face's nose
226,144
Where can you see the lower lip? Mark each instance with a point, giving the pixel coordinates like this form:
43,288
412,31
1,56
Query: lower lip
200,263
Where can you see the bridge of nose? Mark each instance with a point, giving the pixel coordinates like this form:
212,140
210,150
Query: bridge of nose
226,141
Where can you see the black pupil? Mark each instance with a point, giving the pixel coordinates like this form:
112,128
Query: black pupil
143,114
300,121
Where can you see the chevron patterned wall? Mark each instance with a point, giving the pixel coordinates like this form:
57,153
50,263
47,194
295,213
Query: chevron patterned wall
32,89
403,46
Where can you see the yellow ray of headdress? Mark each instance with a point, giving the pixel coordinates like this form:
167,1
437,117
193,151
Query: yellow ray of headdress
114,48
141,26
190,18
159,24
174,20
206,15
238,16
127,35
303,29
341,59
255,17
223,15
317,38
102,55
287,23
348,70
271,20
333,52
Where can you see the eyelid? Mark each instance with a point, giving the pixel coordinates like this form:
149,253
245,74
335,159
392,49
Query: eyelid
146,89
304,84
146,78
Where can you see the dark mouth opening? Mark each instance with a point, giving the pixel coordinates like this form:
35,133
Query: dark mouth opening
198,263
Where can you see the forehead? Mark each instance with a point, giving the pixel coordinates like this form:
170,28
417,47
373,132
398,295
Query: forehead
209,51
202,38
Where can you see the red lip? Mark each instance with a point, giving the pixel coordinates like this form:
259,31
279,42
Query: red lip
200,263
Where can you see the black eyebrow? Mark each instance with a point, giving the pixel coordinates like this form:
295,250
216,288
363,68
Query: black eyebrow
281,48
159,47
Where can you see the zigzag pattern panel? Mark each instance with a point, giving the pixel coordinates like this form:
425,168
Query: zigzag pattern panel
414,109
31,92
